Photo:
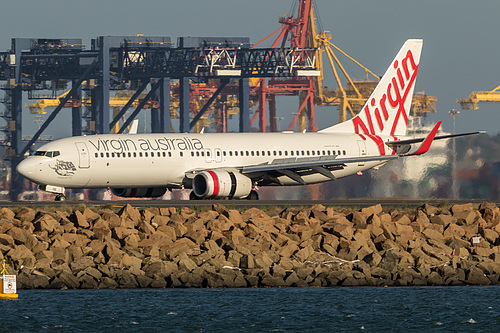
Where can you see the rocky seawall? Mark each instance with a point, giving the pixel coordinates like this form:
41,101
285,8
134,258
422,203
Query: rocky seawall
316,246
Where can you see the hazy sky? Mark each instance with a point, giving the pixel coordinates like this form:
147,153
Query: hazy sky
461,42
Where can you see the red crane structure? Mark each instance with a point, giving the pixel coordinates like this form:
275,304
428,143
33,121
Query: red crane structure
294,30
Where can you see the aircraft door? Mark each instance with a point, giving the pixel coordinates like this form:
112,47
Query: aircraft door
362,151
83,155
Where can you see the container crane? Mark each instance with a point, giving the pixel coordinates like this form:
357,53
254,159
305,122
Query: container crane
475,97
352,96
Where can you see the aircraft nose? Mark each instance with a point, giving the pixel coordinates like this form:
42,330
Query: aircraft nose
27,168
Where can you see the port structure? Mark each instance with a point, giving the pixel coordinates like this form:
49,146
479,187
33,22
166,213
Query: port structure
470,103
123,62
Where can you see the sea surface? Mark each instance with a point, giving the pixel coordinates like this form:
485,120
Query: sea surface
406,309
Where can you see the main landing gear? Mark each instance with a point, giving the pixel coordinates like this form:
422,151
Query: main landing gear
253,195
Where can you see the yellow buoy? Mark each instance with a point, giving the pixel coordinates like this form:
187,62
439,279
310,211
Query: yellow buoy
8,287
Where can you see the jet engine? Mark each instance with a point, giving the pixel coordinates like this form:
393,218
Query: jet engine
221,184
140,192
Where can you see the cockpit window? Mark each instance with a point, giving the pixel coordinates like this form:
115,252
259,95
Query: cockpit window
47,153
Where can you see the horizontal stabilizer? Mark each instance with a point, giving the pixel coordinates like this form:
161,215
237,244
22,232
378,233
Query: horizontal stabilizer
424,147
440,137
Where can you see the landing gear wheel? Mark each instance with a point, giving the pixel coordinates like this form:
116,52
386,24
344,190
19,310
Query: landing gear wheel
253,195
60,197
193,196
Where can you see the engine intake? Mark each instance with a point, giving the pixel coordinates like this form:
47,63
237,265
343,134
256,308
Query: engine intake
139,192
221,184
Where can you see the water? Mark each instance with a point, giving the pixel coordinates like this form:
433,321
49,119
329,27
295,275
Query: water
442,309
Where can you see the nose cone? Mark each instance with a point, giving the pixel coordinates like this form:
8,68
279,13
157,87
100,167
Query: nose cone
27,168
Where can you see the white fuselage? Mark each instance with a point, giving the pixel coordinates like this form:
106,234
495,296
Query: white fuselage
151,160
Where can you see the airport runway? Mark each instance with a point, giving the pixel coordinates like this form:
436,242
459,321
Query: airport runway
242,204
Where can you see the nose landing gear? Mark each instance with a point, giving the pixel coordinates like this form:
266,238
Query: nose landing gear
60,191
60,197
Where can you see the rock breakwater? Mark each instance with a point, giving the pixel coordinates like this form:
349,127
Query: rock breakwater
316,246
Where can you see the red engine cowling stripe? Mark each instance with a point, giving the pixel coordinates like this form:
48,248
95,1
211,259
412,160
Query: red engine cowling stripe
216,183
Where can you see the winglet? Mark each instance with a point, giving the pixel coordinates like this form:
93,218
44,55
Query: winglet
424,147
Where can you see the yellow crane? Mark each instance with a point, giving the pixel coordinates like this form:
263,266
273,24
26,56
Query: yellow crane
475,97
352,96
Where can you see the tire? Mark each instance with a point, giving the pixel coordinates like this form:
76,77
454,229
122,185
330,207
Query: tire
253,195
193,196
60,197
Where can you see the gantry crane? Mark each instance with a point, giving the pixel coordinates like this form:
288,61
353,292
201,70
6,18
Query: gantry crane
353,95
475,97
227,104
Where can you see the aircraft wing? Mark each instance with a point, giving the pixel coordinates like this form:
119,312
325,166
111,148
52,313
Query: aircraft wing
295,167
308,162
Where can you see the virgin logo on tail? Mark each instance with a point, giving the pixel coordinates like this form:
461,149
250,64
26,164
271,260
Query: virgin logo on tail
397,92
386,111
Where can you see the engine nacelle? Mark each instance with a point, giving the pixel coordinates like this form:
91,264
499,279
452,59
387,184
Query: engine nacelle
140,192
221,184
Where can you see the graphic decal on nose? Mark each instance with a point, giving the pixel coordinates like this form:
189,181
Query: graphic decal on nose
64,168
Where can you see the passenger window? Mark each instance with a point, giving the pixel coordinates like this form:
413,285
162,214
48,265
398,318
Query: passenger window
181,154
198,154
230,153
303,153
307,152
241,153
252,153
236,153
286,153
203,153
263,153
164,155
107,155
312,152
279,152
291,153
140,154
274,152
96,155
345,152
257,153
169,154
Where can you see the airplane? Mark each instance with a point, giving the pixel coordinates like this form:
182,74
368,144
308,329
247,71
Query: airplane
233,165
